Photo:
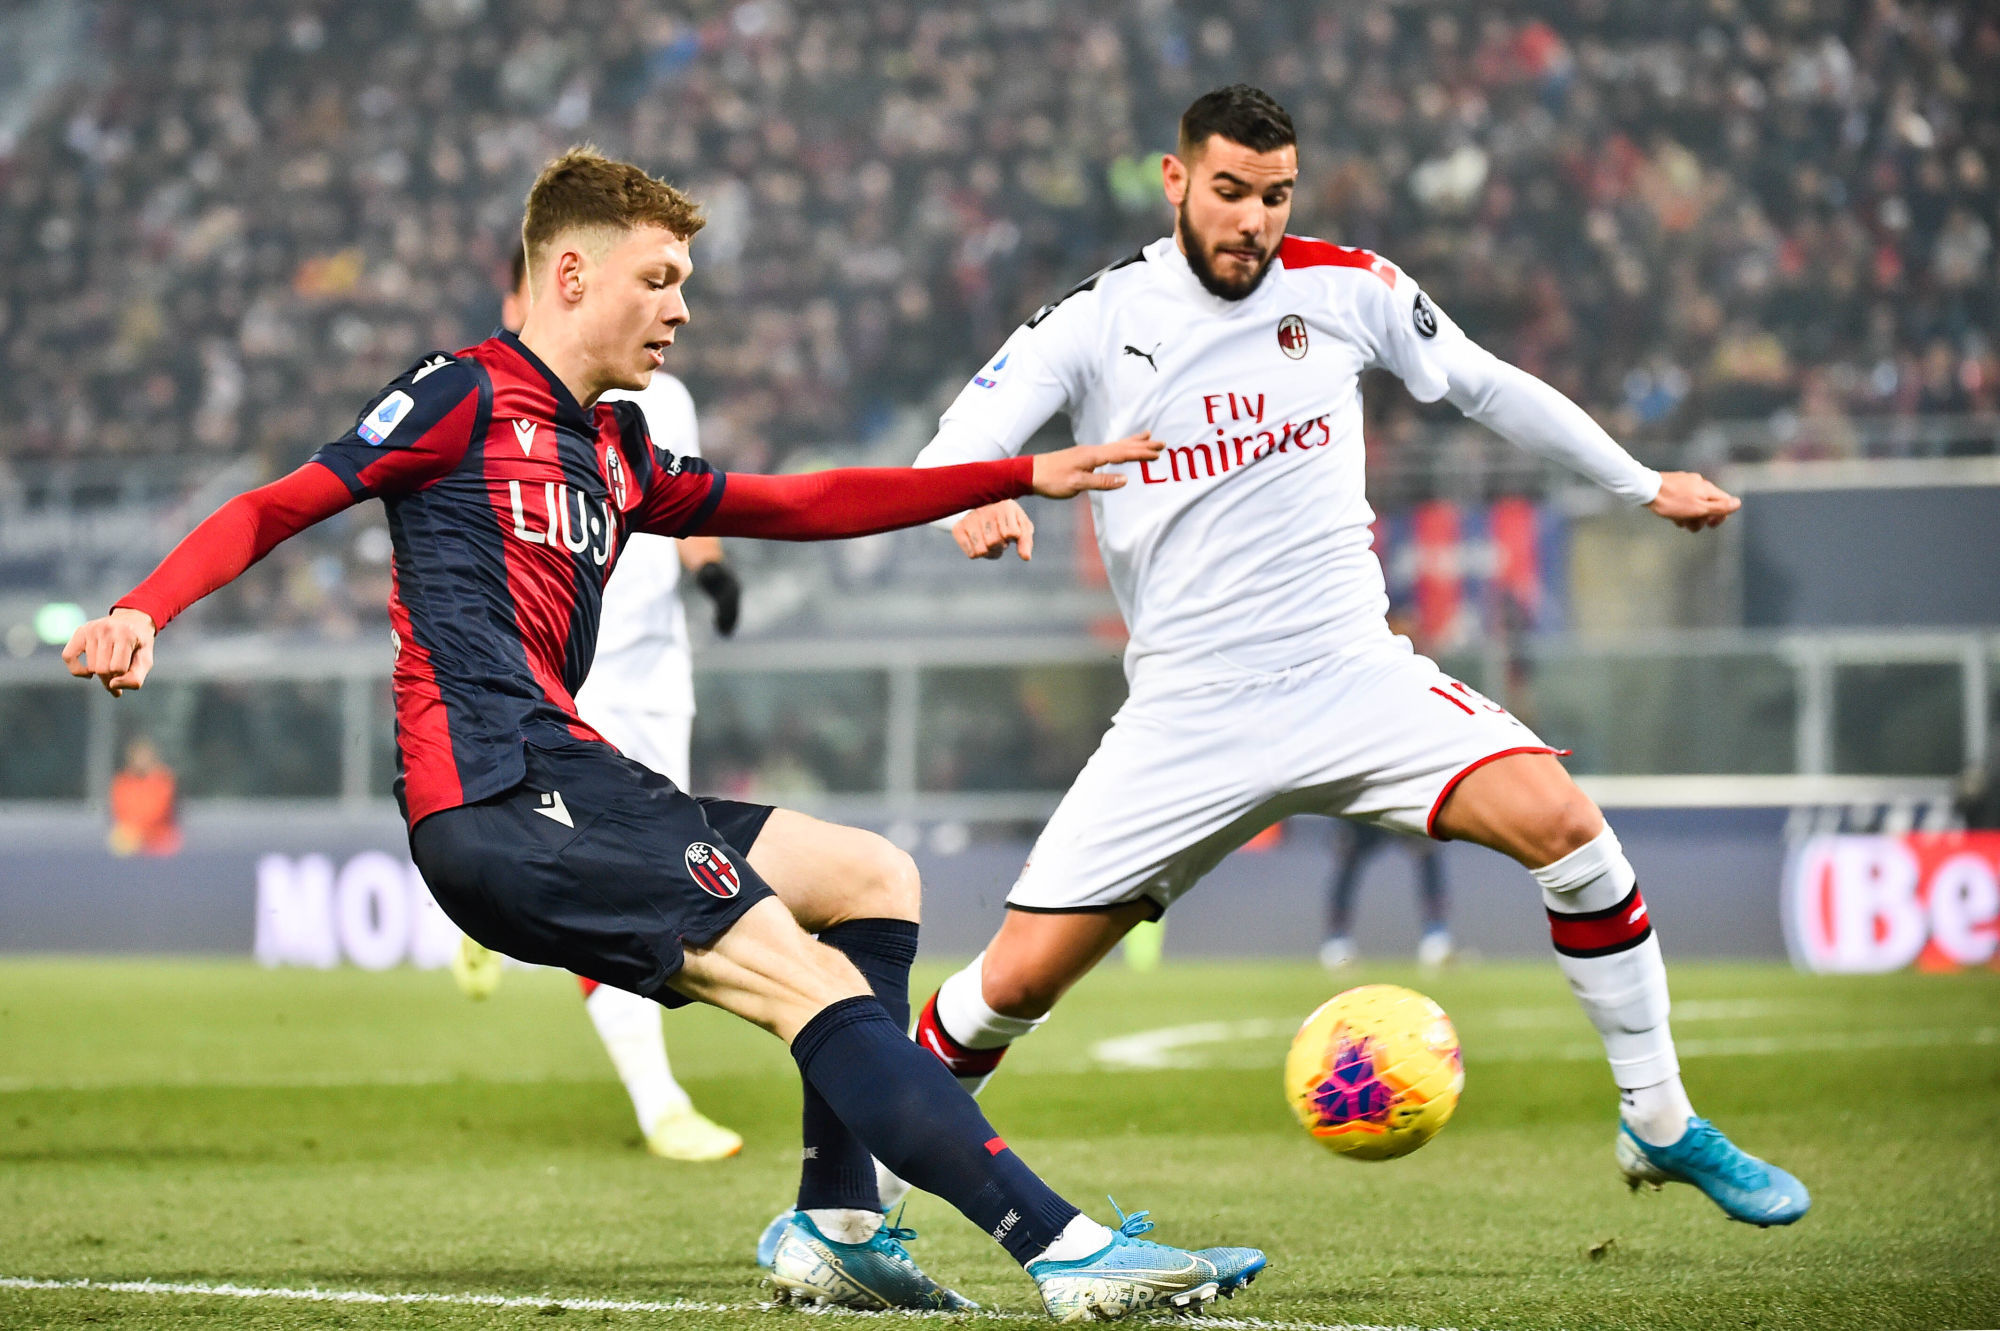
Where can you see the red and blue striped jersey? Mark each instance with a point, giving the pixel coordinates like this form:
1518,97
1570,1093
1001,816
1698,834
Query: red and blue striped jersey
508,504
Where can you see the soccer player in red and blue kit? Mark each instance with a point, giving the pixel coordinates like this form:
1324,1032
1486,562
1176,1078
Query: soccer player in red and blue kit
509,491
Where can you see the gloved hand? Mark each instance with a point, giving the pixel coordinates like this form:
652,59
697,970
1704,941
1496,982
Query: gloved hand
721,585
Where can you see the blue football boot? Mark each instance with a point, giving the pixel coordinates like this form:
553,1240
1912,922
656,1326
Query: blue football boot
810,1268
767,1242
1745,1187
1131,1275
1234,1267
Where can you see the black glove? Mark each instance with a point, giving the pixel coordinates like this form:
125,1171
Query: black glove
720,583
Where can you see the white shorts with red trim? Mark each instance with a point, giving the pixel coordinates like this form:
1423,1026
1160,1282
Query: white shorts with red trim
1187,774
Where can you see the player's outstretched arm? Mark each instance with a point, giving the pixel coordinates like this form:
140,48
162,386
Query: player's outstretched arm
1692,502
860,501
117,650
985,533
1071,471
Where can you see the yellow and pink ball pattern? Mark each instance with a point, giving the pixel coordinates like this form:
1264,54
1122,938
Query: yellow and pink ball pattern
1375,1071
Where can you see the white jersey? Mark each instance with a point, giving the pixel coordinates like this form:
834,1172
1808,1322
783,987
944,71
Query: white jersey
642,662
1246,544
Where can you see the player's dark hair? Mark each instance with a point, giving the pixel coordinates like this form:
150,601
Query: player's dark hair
1240,113
520,269
585,190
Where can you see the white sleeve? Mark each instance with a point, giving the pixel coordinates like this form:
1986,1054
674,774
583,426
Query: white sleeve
1432,355
1042,369
670,415
1037,373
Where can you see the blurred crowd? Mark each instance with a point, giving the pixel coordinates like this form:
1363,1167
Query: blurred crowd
242,219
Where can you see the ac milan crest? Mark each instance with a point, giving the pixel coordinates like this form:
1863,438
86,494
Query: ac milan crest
1292,336
712,871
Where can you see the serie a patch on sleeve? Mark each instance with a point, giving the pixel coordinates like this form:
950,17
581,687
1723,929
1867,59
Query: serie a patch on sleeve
383,418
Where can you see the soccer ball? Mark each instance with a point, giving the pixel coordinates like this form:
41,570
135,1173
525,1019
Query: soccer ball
1375,1072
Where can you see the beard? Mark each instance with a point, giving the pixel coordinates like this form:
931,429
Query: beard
1204,272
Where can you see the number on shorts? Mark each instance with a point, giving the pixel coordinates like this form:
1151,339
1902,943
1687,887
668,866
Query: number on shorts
1471,696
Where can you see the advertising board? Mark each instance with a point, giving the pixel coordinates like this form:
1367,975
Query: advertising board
1865,904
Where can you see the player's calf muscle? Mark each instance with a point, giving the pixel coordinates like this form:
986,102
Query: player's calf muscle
1036,957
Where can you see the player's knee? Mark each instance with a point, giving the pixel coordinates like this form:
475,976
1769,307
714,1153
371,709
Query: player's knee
889,884
1569,823
1017,991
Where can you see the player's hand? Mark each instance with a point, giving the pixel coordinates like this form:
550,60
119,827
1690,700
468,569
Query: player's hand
116,650
1692,501
985,533
722,586
1071,471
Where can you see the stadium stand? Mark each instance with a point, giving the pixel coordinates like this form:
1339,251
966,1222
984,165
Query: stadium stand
232,226
241,224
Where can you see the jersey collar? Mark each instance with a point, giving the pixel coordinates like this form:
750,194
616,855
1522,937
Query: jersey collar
568,410
1165,255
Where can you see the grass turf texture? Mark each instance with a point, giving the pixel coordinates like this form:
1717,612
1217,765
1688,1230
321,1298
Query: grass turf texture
214,1123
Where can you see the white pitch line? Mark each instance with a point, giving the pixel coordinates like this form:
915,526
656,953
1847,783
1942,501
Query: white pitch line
1163,1046
1193,1047
613,1305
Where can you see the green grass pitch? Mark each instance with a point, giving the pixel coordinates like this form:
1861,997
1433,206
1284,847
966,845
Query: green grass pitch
209,1123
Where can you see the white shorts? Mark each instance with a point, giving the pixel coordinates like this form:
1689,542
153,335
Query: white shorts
657,739
1186,775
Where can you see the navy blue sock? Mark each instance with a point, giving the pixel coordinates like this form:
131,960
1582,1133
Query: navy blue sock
836,1170
919,1121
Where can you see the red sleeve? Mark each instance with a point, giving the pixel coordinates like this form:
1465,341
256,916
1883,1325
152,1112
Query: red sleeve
859,501
236,536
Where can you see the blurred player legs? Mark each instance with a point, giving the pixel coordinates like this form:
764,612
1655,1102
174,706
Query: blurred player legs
1364,842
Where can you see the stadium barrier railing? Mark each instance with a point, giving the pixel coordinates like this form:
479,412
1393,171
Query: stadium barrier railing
994,729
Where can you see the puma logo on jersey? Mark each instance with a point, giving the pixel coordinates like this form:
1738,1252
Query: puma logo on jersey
1146,356
524,435
551,807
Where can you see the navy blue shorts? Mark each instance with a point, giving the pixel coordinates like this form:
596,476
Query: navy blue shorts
596,864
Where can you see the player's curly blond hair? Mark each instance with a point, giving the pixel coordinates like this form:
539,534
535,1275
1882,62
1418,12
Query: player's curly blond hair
583,190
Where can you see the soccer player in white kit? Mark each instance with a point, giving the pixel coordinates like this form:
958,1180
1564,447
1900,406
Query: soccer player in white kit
1264,680
640,696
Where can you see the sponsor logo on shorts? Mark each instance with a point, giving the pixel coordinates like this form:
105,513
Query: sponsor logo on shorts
712,871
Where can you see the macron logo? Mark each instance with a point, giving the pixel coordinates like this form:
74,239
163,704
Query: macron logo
524,435
431,366
551,807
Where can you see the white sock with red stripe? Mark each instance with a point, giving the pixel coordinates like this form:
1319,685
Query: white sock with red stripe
968,1036
1605,945
630,1028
